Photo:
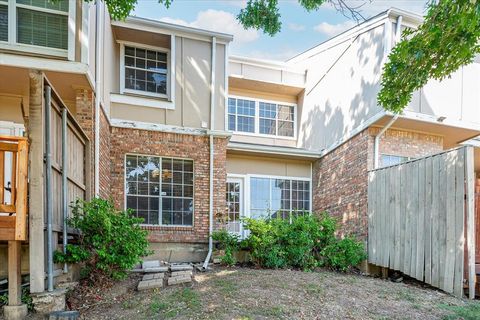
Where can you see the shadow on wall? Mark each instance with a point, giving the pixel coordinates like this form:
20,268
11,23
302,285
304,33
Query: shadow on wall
346,97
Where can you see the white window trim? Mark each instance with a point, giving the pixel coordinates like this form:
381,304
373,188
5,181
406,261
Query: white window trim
12,43
160,183
124,90
257,118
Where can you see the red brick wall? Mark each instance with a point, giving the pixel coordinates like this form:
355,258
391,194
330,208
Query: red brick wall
340,178
104,160
340,184
85,116
407,143
135,141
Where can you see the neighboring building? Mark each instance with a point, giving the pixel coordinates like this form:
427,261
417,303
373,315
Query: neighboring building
284,137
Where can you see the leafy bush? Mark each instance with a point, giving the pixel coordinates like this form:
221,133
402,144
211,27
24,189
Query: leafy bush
26,299
228,242
306,242
343,254
110,241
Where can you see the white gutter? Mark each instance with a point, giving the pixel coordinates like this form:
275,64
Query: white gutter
212,128
98,42
376,145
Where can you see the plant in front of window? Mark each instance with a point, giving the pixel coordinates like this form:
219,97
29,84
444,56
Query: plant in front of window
110,242
228,243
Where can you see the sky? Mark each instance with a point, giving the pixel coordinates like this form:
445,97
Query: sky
301,30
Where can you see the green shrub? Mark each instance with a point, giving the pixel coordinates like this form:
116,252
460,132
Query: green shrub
306,242
228,242
343,254
26,299
110,241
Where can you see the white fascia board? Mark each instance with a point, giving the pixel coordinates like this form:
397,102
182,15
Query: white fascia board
268,64
275,150
121,123
411,115
157,26
28,62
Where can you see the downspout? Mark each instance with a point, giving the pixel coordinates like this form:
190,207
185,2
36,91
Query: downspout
48,187
376,145
212,128
98,64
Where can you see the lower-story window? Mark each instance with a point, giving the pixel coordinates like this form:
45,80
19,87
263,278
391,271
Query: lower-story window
160,189
391,160
282,198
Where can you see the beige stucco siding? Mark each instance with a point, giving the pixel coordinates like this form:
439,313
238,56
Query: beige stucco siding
10,109
245,164
193,75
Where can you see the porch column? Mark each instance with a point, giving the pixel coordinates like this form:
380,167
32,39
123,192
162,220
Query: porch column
36,187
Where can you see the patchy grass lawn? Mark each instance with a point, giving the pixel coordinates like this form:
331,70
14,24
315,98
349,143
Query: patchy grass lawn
242,293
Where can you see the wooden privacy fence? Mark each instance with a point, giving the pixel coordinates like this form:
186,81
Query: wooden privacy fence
418,213
13,194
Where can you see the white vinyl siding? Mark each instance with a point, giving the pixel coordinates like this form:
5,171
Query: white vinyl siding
259,117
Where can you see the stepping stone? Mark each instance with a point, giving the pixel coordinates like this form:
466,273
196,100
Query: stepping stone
181,273
178,280
150,284
156,269
152,276
150,264
180,267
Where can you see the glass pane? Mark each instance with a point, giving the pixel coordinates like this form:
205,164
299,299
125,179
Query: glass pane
260,197
245,124
188,166
167,217
267,126
231,122
246,107
42,29
285,129
130,51
268,110
132,203
286,113
3,23
61,5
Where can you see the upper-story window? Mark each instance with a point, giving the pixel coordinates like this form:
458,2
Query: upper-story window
391,160
145,71
40,23
261,117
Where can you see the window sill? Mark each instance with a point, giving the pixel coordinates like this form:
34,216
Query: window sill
143,101
261,135
156,227
34,50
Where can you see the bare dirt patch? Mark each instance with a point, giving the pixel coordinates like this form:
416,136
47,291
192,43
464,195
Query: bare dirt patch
243,293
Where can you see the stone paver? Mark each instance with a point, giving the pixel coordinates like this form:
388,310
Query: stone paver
150,284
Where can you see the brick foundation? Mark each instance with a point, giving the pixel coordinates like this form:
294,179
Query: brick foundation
340,178
135,141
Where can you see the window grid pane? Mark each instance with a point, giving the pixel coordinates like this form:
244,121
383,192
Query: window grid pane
3,22
160,190
241,115
145,70
278,198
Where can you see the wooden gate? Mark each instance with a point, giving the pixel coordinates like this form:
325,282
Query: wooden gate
417,215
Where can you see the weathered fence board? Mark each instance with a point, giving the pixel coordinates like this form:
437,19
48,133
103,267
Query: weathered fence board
417,215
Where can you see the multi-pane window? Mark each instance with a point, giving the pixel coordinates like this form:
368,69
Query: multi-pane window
391,160
145,70
233,206
160,190
278,198
261,117
3,21
241,115
38,22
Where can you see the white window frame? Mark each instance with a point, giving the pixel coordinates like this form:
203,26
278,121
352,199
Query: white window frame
394,155
257,133
248,186
124,90
12,43
160,224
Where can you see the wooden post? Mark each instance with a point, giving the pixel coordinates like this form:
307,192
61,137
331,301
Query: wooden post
36,187
14,273
470,208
